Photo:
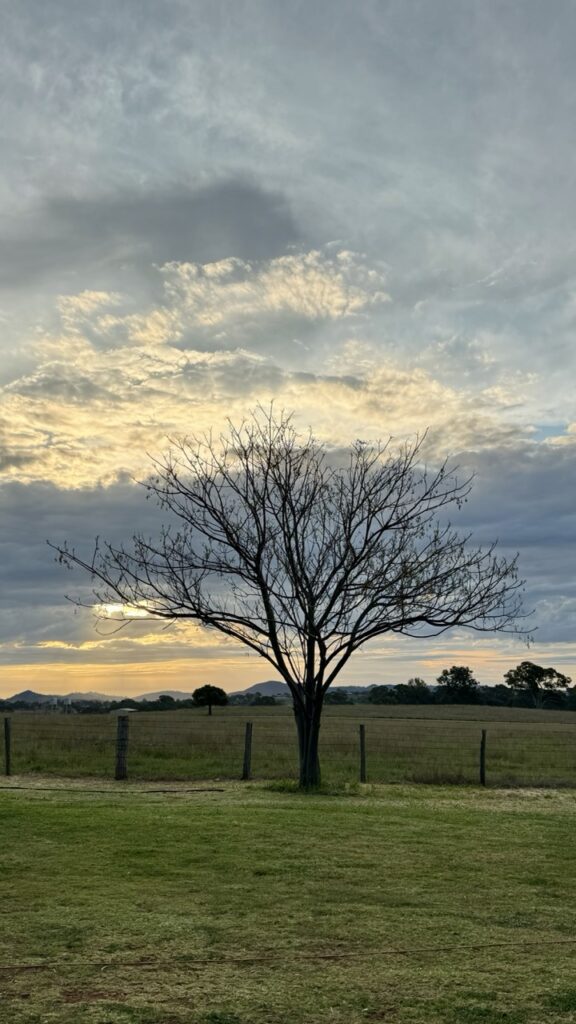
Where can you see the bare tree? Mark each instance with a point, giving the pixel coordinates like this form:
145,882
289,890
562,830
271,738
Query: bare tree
303,556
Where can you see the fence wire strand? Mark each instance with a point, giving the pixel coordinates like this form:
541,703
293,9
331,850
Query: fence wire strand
411,748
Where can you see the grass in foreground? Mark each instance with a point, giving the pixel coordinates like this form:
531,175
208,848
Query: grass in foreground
93,883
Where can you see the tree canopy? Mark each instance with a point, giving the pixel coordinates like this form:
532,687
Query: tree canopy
209,696
415,691
304,554
536,682
459,684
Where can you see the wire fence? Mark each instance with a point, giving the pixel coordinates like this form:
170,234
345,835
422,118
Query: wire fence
188,746
382,750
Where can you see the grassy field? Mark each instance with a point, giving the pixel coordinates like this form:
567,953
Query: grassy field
440,905
404,744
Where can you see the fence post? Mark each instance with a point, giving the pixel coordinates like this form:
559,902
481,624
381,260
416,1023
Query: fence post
362,730
483,758
121,748
7,746
247,766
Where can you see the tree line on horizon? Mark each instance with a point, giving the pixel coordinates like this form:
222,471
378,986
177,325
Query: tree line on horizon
527,686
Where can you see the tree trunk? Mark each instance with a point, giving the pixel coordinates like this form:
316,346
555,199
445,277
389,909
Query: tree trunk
209,709
308,727
537,696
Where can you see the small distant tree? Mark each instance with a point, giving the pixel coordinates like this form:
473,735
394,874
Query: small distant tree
209,696
382,695
496,696
458,685
166,701
339,696
415,691
239,699
540,685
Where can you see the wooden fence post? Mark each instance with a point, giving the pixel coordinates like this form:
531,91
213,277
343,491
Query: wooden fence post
121,748
7,746
362,730
483,758
247,766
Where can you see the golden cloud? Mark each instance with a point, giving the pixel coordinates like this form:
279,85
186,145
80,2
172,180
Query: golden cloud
112,387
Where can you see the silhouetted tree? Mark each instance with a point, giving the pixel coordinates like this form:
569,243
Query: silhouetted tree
414,691
382,695
498,695
304,555
571,698
338,696
458,685
166,701
536,682
209,696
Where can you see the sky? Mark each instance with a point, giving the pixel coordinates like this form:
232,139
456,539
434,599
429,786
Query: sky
360,210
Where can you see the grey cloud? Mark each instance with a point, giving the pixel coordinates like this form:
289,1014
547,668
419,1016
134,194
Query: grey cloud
114,651
530,484
10,459
241,377
62,383
523,497
346,380
66,236
33,586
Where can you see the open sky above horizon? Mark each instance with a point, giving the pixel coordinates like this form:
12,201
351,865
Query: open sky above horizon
362,211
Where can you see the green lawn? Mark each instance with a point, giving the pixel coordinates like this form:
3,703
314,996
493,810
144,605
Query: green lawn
404,744
235,897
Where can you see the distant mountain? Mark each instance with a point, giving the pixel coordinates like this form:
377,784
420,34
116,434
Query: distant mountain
30,697
268,688
274,688
271,688
176,694
89,695
359,689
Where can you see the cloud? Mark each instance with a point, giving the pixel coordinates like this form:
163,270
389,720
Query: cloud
122,408
522,498
96,236
223,304
116,383
502,507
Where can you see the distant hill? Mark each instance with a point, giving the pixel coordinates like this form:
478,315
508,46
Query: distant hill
176,694
270,688
274,688
90,695
359,689
30,697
